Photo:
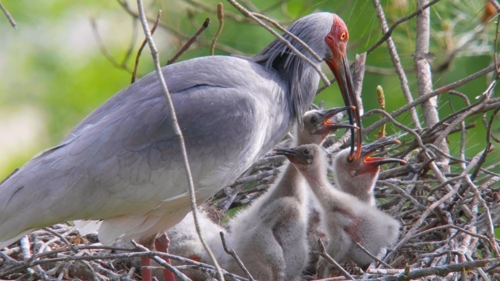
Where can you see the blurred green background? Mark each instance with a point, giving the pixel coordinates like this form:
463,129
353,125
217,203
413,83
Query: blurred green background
53,72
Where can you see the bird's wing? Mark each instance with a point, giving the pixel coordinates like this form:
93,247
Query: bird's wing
124,158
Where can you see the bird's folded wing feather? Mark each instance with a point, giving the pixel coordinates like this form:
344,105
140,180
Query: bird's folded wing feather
124,158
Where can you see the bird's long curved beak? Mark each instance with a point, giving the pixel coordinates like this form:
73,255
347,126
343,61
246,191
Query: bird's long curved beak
340,68
369,149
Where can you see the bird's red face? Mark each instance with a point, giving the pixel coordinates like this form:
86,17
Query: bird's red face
337,43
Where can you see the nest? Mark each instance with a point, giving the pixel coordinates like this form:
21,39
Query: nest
445,203
448,225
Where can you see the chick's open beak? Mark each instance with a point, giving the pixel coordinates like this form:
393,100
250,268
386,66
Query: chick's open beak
369,149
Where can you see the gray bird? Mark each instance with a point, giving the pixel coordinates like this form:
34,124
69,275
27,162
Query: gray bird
348,220
358,177
270,236
122,163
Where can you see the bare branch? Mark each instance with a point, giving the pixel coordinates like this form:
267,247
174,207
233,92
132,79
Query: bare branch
397,63
424,79
190,41
178,133
138,56
104,50
8,15
389,32
235,256
220,17
425,97
327,257
372,255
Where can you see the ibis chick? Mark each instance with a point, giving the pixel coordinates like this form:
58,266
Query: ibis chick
270,236
348,220
184,240
358,177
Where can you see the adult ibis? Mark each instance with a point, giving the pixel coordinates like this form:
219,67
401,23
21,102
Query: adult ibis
122,163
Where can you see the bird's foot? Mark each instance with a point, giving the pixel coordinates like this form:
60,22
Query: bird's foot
161,245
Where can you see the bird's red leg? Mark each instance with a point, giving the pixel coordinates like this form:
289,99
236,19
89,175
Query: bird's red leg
146,273
161,245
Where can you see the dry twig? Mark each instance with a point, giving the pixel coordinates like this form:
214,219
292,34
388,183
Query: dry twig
177,132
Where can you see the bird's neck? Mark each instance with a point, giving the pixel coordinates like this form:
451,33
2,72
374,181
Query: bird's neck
299,76
290,184
360,186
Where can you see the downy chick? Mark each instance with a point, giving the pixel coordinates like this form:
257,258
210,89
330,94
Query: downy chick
358,177
348,220
270,235
184,240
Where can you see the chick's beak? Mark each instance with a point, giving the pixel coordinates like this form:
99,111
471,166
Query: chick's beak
377,161
291,154
333,125
288,152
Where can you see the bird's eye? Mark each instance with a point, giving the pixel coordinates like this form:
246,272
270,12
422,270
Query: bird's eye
306,152
314,119
343,36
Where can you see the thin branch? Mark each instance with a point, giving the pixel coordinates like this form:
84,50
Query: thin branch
489,146
429,210
190,41
8,15
286,42
327,257
138,56
18,266
372,255
220,17
495,54
60,237
487,212
358,75
177,34
104,50
233,254
178,133
424,79
397,63
425,97
398,22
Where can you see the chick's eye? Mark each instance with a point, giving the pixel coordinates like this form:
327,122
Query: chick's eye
313,119
343,36
306,152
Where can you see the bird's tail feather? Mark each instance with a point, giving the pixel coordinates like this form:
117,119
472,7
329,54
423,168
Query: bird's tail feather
6,243
87,226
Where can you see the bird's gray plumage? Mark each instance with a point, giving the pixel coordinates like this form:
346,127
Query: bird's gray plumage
270,236
347,219
122,163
